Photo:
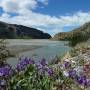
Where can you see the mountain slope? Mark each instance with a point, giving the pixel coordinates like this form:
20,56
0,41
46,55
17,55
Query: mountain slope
20,31
77,35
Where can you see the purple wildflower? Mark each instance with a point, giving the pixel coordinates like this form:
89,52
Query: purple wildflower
88,82
82,79
42,67
23,63
30,61
43,62
6,71
72,74
85,82
67,64
50,71
20,67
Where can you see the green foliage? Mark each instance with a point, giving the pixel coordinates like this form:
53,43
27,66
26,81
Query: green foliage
78,37
73,52
31,80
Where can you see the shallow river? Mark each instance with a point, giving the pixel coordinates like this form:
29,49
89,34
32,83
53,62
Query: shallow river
48,49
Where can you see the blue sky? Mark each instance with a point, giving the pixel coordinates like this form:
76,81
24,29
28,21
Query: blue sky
64,7
50,16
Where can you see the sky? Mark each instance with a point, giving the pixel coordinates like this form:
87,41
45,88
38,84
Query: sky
51,16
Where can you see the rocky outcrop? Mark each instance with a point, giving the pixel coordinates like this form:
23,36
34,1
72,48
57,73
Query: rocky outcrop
20,31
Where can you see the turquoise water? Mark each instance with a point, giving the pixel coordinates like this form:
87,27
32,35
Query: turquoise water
48,50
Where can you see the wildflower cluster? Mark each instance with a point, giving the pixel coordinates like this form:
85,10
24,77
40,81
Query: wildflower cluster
78,74
29,75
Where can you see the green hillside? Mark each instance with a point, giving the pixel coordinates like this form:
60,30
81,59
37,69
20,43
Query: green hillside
75,36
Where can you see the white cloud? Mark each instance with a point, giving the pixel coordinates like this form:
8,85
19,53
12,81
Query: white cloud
9,6
77,18
17,5
27,17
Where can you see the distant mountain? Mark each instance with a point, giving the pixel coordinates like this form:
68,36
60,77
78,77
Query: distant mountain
12,31
77,35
